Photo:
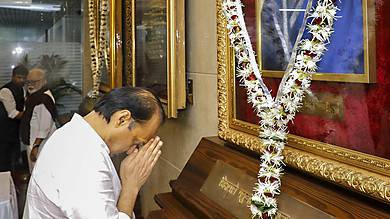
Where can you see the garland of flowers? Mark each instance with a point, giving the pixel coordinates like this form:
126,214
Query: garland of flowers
104,47
98,50
96,75
276,113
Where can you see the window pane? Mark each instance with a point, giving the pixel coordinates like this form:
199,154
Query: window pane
45,34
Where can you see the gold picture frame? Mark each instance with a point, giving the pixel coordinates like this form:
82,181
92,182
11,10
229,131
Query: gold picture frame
176,72
356,171
369,74
121,48
116,54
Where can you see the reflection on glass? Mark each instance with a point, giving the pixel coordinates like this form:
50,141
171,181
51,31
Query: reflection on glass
151,49
280,24
48,36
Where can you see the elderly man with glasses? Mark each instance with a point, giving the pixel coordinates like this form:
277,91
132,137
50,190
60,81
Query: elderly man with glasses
38,121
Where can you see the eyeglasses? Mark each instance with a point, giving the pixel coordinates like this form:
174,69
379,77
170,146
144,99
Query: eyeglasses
31,82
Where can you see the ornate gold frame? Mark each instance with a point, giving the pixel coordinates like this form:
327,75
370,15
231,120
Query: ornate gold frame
129,53
176,72
116,56
353,170
369,75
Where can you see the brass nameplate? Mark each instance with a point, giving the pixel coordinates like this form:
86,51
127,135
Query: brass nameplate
326,105
230,187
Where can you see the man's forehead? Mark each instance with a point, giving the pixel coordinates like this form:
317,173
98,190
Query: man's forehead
35,75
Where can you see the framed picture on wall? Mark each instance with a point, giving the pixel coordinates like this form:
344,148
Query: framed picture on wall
141,43
352,47
154,38
342,132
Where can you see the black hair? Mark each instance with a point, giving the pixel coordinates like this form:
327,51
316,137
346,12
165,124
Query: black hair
141,102
20,70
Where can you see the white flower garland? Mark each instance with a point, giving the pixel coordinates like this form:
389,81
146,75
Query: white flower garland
99,49
276,113
96,75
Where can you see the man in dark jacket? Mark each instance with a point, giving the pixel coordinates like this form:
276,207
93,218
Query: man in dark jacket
11,110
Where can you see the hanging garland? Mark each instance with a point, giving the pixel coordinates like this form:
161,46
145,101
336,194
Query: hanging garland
104,49
276,113
99,50
93,47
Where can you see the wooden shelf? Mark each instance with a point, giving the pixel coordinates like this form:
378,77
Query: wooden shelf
187,201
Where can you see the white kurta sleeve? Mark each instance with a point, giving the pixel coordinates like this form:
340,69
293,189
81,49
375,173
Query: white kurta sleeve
9,102
93,196
44,121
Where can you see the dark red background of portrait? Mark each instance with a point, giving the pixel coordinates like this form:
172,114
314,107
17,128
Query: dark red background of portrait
365,125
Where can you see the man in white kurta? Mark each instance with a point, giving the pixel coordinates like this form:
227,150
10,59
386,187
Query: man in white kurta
87,179
74,176
39,115
42,126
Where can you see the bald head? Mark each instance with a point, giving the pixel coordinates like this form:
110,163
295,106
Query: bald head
36,79
36,74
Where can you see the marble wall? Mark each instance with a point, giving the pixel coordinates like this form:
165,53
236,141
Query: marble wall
182,135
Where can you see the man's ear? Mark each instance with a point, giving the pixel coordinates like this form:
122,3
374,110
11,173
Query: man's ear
123,117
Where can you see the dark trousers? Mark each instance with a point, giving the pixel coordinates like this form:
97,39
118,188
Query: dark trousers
9,155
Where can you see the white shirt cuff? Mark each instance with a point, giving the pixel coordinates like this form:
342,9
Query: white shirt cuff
13,114
42,134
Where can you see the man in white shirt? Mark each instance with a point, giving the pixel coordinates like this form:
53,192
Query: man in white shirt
74,176
38,121
11,110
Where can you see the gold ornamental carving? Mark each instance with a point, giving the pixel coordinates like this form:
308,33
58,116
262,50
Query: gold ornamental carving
129,39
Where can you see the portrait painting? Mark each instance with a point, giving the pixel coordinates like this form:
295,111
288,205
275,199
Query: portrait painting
343,126
347,57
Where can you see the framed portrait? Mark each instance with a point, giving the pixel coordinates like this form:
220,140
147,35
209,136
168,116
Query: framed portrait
143,45
342,132
352,47
154,38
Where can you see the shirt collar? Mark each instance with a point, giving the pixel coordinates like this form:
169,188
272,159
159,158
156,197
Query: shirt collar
89,131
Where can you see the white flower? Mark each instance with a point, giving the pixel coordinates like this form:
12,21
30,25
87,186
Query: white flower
305,83
243,73
307,44
311,64
290,117
271,202
256,198
313,27
287,101
272,211
280,134
265,133
273,188
255,211
319,48
267,119
267,157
